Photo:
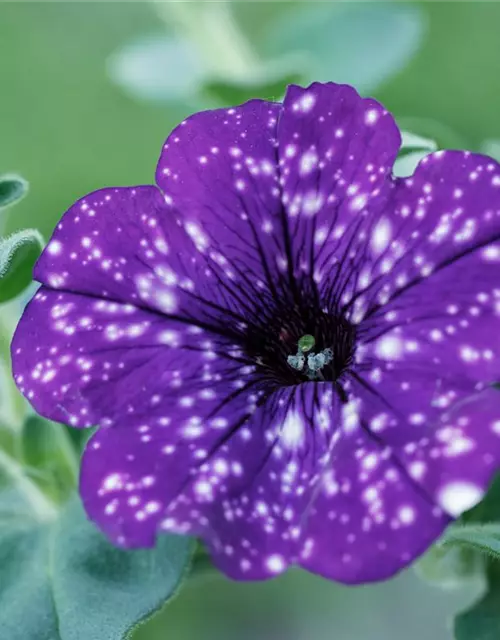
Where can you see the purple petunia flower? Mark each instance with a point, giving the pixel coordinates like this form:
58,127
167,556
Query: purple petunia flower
289,352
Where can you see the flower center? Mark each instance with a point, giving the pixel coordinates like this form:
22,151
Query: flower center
312,363
301,346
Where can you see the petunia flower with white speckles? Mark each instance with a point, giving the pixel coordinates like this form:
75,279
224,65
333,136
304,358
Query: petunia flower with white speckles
289,352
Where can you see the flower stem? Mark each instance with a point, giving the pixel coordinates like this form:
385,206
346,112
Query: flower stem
43,508
70,454
212,29
14,407
202,567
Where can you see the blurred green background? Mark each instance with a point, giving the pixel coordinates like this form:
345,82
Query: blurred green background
90,91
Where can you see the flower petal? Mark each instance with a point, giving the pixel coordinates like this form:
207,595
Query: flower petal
418,369
428,336
86,361
456,462
336,154
370,519
452,454
394,484
106,242
241,484
124,245
219,173
437,242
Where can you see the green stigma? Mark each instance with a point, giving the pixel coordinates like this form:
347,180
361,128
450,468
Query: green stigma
306,343
315,361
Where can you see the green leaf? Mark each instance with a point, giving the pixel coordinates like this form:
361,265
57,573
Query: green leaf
49,453
64,581
30,497
482,620
413,149
12,189
450,567
406,164
269,84
15,509
18,254
491,148
413,142
361,45
481,537
27,608
166,69
158,68
101,591
443,136
488,510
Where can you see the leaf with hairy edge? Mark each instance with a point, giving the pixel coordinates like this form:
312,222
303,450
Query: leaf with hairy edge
481,537
482,620
12,189
451,567
18,254
62,580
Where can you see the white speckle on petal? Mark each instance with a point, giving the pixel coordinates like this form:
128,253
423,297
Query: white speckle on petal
54,247
492,253
292,431
275,563
381,236
371,116
307,162
457,497
389,347
406,515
